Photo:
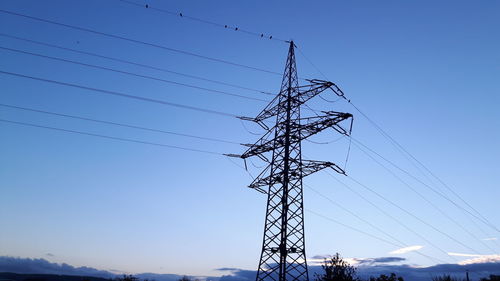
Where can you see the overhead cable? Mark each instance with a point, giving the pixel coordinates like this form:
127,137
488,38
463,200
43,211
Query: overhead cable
401,244
387,214
117,124
134,63
139,42
185,16
405,153
359,145
108,137
426,200
412,215
132,74
119,94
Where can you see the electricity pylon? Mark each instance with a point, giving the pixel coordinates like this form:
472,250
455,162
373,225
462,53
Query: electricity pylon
283,256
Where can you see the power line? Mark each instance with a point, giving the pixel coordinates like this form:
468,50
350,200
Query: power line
419,194
109,137
311,63
358,144
192,150
117,124
123,139
326,142
119,94
389,215
246,129
400,179
353,228
411,214
140,42
368,234
401,244
436,229
356,229
134,63
163,145
364,232
225,26
406,153
131,74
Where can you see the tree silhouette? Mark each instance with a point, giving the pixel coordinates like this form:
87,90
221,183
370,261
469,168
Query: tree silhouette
384,277
127,278
492,278
336,269
446,277
185,278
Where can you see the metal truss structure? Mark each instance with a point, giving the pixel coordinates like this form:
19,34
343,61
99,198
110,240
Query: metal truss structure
283,256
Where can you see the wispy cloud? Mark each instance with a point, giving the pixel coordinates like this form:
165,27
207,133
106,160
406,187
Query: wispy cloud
476,259
482,259
462,255
319,259
380,260
43,266
406,250
227,269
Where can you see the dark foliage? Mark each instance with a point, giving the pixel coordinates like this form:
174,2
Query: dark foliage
336,269
127,278
384,277
492,278
46,277
446,277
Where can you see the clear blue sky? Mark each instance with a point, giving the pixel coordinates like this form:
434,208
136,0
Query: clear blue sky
427,72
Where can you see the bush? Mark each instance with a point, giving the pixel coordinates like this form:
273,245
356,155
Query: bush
384,277
336,269
446,277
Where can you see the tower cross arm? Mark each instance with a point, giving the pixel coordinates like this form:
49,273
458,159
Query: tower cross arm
299,132
307,168
315,87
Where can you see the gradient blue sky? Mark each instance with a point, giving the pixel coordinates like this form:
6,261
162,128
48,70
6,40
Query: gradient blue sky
427,71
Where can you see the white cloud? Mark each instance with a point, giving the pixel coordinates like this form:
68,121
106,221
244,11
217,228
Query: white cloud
482,259
320,259
463,255
476,258
490,239
406,250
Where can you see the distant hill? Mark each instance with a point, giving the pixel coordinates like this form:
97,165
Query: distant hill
8,276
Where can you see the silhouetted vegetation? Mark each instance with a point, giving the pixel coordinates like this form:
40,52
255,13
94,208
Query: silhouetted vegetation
446,277
336,269
492,278
391,277
186,278
127,278
47,277
55,277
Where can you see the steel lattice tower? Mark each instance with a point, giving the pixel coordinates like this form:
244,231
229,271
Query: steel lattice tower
283,256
